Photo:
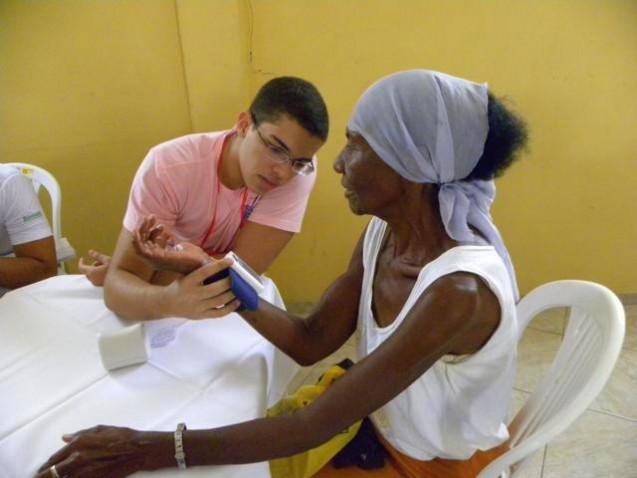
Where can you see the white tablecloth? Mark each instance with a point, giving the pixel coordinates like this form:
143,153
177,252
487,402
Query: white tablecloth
214,373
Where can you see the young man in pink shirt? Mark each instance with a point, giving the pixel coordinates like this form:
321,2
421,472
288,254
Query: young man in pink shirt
244,189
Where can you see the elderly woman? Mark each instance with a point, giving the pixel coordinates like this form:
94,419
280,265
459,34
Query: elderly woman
430,287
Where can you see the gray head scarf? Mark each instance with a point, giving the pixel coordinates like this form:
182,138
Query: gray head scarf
430,127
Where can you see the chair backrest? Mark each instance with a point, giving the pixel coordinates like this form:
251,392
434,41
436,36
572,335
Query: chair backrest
41,177
591,345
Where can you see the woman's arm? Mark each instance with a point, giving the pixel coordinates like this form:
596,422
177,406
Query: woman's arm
305,340
442,320
331,323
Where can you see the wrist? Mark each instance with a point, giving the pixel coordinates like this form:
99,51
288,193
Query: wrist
165,301
157,450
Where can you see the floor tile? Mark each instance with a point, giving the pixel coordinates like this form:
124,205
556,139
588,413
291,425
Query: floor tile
519,399
536,352
532,467
630,341
595,446
551,320
619,396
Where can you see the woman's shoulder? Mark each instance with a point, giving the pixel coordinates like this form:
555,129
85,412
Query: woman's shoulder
474,268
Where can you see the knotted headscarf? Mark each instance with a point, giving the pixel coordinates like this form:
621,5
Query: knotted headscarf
430,127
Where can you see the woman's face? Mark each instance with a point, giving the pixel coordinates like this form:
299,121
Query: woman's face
370,185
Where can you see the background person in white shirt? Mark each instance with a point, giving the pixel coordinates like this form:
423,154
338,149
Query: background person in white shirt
27,249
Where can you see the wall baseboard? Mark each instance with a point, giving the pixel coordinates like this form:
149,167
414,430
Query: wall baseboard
304,308
628,299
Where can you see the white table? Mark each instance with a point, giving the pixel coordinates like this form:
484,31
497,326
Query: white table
215,372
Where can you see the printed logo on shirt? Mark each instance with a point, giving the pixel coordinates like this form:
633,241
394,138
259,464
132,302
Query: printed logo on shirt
31,217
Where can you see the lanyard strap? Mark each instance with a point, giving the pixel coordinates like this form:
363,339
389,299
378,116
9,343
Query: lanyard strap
244,197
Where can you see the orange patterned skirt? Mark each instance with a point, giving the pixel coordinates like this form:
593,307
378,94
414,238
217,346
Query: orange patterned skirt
399,465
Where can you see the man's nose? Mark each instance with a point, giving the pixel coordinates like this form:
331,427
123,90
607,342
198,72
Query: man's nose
283,171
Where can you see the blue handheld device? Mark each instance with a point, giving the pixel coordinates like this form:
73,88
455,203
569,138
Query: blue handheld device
244,282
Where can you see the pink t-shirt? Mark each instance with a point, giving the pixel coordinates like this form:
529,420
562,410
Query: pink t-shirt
178,183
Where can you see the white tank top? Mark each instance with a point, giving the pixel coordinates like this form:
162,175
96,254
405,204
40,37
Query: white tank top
461,403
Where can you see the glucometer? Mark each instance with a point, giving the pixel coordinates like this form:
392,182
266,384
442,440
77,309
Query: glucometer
245,283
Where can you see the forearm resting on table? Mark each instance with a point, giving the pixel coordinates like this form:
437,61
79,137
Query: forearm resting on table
247,442
131,297
20,271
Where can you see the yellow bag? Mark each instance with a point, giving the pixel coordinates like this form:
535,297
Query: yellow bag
306,464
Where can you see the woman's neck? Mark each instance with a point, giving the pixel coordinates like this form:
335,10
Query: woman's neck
417,234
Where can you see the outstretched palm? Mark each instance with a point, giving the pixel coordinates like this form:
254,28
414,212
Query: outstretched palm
157,245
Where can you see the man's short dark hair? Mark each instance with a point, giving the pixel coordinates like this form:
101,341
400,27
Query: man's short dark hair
296,98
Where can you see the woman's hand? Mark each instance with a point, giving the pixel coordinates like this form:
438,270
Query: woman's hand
95,272
155,243
107,452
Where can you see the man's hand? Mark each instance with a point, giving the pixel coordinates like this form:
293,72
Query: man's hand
157,245
189,297
95,272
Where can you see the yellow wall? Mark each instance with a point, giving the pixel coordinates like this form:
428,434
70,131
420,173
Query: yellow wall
87,87
214,36
567,209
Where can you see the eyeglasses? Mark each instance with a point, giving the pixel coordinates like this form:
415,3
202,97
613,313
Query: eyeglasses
302,166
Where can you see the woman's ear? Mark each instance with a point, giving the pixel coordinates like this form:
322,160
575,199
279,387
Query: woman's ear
244,122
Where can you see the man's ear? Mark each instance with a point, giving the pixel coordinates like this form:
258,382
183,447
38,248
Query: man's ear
244,122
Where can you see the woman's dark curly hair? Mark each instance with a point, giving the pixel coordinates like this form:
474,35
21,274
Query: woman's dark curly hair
506,138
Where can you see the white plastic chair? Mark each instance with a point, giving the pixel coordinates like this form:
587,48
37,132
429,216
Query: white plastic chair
41,177
590,347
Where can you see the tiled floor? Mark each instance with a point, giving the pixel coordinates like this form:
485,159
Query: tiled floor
602,442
